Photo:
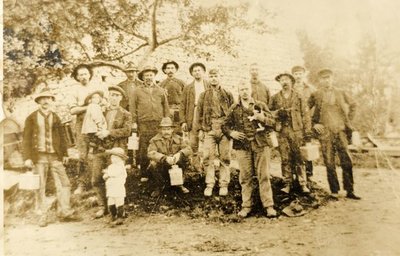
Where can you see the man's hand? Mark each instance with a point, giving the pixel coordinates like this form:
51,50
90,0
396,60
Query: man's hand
201,135
134,126
170,160
28,163
177,156
184,127
319,128
103,134
237,135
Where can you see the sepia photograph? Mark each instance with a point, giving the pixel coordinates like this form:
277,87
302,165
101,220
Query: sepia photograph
183,127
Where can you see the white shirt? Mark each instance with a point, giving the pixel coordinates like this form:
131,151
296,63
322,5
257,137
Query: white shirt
198,89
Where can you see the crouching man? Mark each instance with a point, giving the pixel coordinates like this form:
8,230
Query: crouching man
45,150
248,123
165,150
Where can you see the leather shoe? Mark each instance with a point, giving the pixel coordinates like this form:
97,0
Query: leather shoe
353,196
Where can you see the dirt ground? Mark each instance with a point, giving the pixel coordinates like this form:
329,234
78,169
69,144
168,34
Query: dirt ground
367,227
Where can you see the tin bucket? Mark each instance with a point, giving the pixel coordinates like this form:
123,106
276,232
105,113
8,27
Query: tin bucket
273,139
176,175
356,139
310,152
29,181
133,142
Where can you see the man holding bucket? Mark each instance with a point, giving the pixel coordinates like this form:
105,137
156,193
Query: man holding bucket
45,149
166,152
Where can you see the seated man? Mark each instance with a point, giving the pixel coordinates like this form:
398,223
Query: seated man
165,150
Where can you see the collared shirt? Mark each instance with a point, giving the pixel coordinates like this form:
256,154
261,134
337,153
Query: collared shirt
110,117
45,125
174,88
199,87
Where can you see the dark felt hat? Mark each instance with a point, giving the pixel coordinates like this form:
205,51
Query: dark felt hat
118,89
297,69
164,66
325,72
197,64
278,77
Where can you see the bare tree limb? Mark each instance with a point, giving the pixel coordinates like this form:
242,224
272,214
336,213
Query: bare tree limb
165,41
154,43
120,27
130,52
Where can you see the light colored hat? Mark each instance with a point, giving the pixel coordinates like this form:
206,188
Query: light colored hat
298,68
101,93
117,152
146,69
325,72
44,93
131,67
166,122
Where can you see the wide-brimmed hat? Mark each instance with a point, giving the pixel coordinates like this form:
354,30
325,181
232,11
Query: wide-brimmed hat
101,93
118,89
166,122
117,152
295,209
197,64
278,77
297,69
147,69
164,66
42,94
325,72
131,67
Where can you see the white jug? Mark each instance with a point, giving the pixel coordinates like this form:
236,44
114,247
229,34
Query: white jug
356,138
133,142
310,152
29,181
176,175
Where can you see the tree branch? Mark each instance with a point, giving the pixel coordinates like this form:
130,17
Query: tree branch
154,42
131,52
120,27
165,41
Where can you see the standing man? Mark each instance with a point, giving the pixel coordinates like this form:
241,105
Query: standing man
293,123
119,122
83,75
174,88
190,99
259,90
305,90
45,149
213,108
334,112
149,106
253,153
129,84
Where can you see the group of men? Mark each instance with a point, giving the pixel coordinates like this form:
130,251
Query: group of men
212,118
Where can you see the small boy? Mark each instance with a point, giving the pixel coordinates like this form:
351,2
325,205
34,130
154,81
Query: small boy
94,120
115,176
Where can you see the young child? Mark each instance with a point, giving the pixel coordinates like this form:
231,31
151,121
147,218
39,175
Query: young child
115,176
94,120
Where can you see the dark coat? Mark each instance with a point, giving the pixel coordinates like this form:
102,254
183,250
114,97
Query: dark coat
174,88
204,107
345,102
236,119
30,138
128,87
299,111
186,111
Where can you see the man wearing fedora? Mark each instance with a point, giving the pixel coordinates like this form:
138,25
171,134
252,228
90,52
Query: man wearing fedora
165,150
305,90
45,150
83,75
259,91
130,83
190,98
119,124
213,108
174,88
149,106
332,122
293,126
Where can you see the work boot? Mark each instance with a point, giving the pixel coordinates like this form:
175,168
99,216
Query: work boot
351,195
120,215
244,212
113,212
208,191
223,191
334,196
271,213
305,189
70,215
184,190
